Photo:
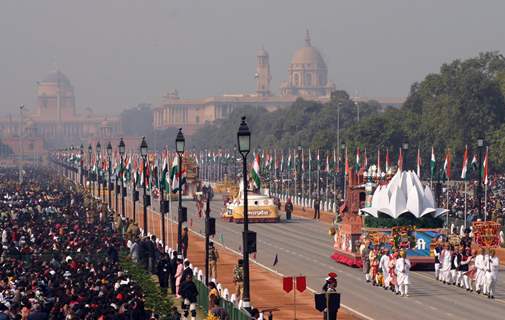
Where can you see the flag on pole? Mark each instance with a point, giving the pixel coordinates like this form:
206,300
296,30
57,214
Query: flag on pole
255,173
419,163
164,174
346,163
475,163
175,174
379,160
365,163
357,165
400,161
433,163
485,167
447,165
464,169
388,161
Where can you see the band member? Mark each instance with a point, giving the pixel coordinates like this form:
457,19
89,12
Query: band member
455,261
365,258
464,267
393,280
374,265
403,271
492,269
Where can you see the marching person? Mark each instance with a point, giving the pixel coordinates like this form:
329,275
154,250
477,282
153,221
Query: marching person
438,249
403,271
455,260
464,268
480,271
365,259
213,258
384,268
445,261
393,279
492,269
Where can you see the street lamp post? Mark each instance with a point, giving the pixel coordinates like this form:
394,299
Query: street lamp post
299,176
109,158
98,150
405,147
121,148
180,143
81,163
90,151
342,171
480,145
143,153
244,147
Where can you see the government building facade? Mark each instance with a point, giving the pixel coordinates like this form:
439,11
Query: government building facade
307,78
54,120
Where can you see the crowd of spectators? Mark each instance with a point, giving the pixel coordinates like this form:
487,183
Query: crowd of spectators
59,254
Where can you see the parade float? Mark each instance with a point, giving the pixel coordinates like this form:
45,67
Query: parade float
387,211
261,208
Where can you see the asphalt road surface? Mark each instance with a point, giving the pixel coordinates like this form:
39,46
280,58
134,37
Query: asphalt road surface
304,248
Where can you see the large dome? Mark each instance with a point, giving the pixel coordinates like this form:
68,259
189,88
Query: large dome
308,55
57,77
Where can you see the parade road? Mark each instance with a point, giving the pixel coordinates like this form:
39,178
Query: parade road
304,248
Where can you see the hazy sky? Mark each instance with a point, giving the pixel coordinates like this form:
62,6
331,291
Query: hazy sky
118,53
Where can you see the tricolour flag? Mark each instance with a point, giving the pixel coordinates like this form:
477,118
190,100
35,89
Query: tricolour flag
164,174
255,173
464,168
400,161
447,165
357,165
433,163
175,174
388,161
485,167
419,163
475,163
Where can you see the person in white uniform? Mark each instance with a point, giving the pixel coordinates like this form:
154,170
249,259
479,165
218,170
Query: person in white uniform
480,271
384,267
403,271
445,261
492,268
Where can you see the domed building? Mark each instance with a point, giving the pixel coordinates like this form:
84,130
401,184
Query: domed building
307,74
55,119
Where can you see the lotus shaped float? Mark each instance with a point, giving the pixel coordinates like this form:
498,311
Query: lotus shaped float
403,194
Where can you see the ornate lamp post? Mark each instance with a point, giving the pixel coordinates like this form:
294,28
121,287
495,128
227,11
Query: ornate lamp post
244,147
480,145
180,144
90,151
109,159
143,153
121,148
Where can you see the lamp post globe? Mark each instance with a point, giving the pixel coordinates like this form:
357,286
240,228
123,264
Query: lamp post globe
121,147
109,149
244,138
180,142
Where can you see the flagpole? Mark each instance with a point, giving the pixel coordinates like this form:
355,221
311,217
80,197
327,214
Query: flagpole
447,204
466,182
485,202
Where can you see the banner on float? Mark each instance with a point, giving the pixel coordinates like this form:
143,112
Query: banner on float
486,233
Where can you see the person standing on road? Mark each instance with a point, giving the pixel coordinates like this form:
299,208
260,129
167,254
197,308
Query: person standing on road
213,259
178,276
238,279
288,207
384,268
365,259
445,261
403,271
436,252
480,271
173,271
492,269
317,207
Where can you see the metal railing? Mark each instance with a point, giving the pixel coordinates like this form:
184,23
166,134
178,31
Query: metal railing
233,311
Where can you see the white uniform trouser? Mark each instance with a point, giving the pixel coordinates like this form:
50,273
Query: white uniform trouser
479,279
192,309
437,271
490,283
452,276
404,289
466,281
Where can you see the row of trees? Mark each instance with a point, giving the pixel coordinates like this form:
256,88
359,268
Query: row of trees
447,110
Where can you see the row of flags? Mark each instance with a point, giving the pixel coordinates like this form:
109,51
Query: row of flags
131,169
